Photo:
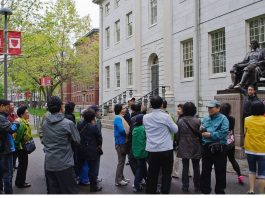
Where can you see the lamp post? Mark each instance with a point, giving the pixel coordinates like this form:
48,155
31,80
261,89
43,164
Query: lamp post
84,95
5,12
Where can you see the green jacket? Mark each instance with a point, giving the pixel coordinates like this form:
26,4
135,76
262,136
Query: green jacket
23,134
139,142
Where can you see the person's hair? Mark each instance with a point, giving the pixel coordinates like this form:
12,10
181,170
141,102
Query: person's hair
225,109
255,41
257,108
54,104
69,107
180,106
164,104
4,102
136,107
189,109
21,110
156,102
89,115
117,109
253,87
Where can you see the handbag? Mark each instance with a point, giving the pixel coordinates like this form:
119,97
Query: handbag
216,147
29,146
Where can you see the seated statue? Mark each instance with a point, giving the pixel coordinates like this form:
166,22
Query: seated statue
246,72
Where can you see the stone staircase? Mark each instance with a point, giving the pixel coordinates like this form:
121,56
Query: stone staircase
107,121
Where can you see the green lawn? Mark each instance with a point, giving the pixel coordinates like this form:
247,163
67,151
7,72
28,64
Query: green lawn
37,111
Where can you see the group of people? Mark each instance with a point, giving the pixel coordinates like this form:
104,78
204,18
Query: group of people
150,140
15,133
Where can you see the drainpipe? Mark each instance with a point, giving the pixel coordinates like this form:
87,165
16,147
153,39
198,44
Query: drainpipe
101,31
197,50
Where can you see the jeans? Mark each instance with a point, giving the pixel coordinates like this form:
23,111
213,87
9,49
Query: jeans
219,160
253,161
6,173
140,173
159,160
132,162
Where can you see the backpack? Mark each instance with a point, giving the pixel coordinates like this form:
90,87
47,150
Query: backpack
139,142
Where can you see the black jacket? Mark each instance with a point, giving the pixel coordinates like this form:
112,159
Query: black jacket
90,140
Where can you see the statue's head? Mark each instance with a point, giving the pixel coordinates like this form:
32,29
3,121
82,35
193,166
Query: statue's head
254,44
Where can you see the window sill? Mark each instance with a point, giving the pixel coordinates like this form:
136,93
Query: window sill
117,43
107,90
187,79
152,25
128,37
117,88
218,75
106,48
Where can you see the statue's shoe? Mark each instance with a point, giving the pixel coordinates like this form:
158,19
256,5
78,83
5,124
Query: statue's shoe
238,86
230,86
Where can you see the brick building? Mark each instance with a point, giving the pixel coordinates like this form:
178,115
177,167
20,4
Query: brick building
87,92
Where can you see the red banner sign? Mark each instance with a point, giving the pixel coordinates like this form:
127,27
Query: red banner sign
14,43
46,81
1,41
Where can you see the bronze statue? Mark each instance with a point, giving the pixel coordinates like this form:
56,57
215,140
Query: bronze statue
247,71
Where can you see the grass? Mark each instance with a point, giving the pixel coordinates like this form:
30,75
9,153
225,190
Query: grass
37,111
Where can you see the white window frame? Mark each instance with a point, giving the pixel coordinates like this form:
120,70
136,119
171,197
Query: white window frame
129,71
107,73
257,30
107,9
153,12
118,74
117,3
217,65
117,31
107,37
129,20
187,59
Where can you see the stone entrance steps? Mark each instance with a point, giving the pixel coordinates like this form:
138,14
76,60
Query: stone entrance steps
107,121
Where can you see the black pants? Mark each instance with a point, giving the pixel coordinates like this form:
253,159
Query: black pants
157,160
92,173
219,160
132,162
231,157
196,173
61,182
22,167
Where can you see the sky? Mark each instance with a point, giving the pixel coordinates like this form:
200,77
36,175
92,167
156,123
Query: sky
85,7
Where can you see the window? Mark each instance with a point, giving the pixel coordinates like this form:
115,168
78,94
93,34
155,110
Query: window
130,72
218,52
107,8
187,58
107,37
118,76
107,69
117,31
129,24
153,11
117,3
257,30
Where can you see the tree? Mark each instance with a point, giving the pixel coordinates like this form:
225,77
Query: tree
47,47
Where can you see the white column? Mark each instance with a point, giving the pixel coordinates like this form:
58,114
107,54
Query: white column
101,31
168,49
138,57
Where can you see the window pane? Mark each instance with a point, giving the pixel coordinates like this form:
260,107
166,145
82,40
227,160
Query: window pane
130,72
188,58
108,77
257,30
117,68
218,52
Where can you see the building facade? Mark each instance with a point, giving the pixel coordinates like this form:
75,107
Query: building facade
188,46
84,93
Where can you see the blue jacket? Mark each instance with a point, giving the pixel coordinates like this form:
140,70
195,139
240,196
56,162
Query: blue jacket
7,128
119,131
218,126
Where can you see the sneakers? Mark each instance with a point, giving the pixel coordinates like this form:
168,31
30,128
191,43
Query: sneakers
137,190
121,183
99,180
126,180
241,179
95,188
251,192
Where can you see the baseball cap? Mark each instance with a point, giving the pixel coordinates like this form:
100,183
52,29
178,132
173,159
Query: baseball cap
94,107
133,98
213,103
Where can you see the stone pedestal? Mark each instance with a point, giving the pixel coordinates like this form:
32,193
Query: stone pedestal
236,100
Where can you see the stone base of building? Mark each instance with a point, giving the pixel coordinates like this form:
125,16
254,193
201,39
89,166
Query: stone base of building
236,100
